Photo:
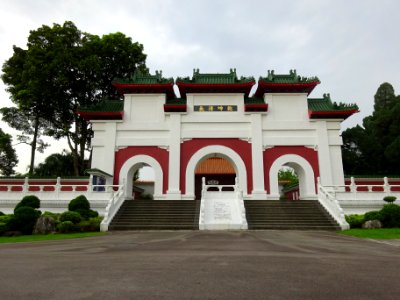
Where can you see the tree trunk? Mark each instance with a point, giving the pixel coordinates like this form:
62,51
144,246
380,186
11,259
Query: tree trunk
33,146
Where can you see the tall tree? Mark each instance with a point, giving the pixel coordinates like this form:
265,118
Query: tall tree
56,164
8,158
64,68
374,148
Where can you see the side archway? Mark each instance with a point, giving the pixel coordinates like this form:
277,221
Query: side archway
215,151
304,171
134,163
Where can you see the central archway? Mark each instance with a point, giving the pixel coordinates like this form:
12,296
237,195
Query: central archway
215,151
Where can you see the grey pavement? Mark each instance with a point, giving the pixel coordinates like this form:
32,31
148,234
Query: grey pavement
202,265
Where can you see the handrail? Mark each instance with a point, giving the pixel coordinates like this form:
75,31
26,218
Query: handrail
112,208
331,204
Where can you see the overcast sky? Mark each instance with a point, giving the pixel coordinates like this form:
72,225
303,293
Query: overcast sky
351,45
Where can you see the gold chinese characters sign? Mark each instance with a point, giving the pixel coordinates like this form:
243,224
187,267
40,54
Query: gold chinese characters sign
203,108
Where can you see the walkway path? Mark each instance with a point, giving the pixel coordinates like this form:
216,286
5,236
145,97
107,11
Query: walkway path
202,265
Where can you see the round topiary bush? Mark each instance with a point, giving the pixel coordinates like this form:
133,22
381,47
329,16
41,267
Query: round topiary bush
1,213
389,199
25,219
355,221
71,216
66,227
28,201
372,215
87,213
390,215
79,202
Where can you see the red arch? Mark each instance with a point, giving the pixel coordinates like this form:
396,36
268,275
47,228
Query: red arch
161,155
242,148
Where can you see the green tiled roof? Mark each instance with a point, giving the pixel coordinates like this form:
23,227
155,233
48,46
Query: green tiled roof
215,78
104,106
292,77
97,171
145,78
325,104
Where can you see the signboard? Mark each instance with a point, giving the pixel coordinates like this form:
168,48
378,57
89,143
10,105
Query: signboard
215,108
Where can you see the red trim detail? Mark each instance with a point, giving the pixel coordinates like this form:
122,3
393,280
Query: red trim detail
270,155
101,115
175,108
255,107
185,88
190,147
161,155
271,87
332,114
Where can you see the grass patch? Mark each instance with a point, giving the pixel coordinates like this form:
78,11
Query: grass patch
48,237
379,234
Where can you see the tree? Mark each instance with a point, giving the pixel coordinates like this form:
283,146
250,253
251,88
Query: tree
289,176
374,148
56,164
64,68
8,158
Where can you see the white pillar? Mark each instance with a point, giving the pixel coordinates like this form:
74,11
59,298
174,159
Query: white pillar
324,157
174,192
257,159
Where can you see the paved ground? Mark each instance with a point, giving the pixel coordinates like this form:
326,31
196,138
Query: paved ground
202,265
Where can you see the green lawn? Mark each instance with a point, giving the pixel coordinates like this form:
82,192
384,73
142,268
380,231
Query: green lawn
48,237
380,234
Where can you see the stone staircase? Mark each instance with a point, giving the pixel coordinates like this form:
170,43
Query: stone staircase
157,214
298,215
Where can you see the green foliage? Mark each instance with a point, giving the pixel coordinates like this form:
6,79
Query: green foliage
93,224
389,199
145,196
374,147
66,227
3,228
5,223
1,213
8,157
87,213
288,175
24,219
72,216
56,165
372,215
28,201
355,221
390,216
61,69
79,203
55,216
382,233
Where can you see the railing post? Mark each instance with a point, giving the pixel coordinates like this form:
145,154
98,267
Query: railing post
25,188
353,187
90,188
386,186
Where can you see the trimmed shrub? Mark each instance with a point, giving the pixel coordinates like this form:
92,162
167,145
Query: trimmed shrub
87,213
78,203
372,215
66,227
28,201
389,199
71,216
390,215
25,219
355,221
55,216
3,228
146,196
93,224
1,213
